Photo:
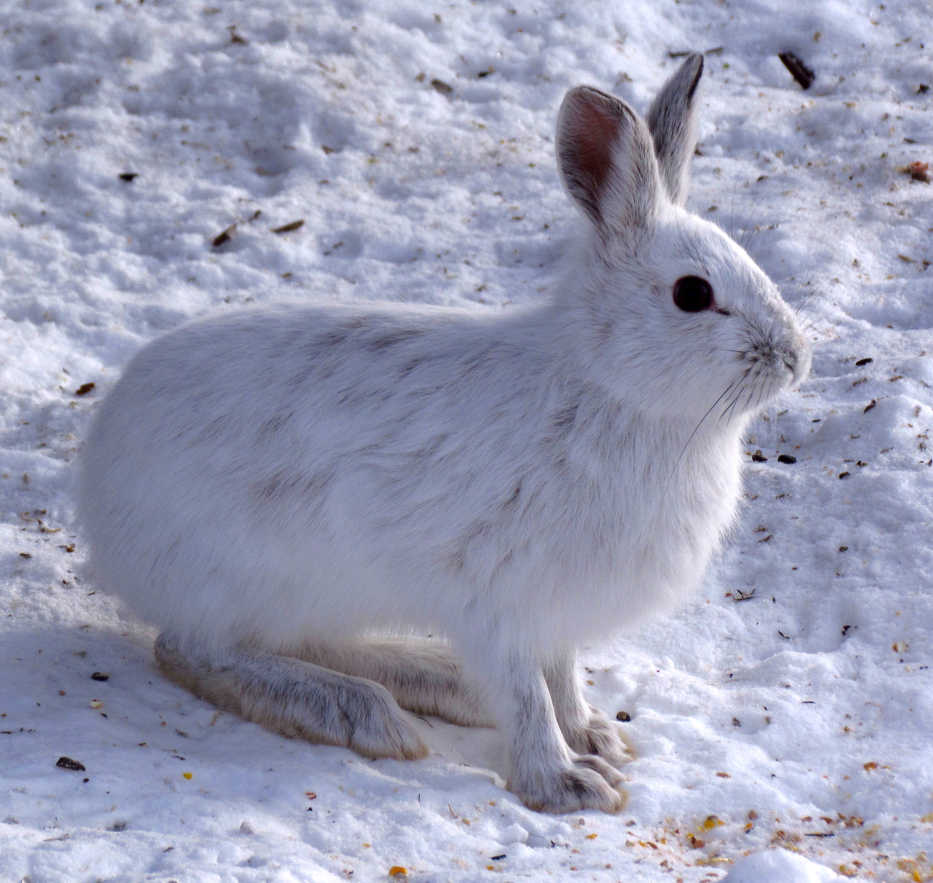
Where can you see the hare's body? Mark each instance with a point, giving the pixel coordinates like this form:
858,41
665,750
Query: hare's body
273,487
373,491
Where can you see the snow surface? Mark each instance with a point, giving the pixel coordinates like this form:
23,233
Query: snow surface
415,142
779,865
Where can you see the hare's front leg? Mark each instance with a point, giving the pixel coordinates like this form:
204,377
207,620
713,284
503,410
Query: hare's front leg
293,697
544,772
585,728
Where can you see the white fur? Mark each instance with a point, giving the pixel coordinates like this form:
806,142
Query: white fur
280,482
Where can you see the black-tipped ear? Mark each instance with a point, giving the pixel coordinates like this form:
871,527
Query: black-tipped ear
672,120
606,159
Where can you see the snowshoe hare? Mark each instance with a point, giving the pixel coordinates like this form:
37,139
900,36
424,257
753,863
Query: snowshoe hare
275,488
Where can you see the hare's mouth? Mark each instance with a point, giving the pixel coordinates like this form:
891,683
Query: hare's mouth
766,371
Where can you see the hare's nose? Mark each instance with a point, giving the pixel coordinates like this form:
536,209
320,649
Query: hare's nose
796,358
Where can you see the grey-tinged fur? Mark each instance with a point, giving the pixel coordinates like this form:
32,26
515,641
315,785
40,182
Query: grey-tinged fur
295,698
672,121
585,728
423,676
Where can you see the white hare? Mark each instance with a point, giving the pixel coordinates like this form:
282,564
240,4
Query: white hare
276,488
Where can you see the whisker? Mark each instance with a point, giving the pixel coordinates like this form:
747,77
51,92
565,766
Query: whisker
761,397
696,428
727,410
807,324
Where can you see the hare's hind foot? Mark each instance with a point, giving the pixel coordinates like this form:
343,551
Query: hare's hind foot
423,676
294,697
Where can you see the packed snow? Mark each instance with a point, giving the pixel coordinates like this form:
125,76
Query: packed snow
156,159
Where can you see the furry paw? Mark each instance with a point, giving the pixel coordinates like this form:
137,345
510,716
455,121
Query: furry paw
603,767
602,737
586,783
386,731
366,719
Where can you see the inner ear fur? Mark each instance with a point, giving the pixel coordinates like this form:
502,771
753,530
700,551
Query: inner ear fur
606,159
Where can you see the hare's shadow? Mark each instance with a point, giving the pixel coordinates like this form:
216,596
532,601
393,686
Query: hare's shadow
96,696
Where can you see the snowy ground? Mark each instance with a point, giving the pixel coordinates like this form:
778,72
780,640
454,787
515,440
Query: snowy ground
415,142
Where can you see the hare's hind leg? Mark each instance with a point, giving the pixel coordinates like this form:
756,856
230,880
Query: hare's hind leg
423,676
586,729
293,697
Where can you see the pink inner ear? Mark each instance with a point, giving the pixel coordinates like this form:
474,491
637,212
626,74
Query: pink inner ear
597,128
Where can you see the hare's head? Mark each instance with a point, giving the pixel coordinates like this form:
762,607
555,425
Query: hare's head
679,319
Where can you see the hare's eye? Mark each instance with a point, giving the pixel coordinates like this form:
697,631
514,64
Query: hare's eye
693,294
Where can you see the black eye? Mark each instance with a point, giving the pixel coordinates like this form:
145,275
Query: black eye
693,294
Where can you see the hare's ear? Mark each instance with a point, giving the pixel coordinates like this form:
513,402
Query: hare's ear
672,120
606,160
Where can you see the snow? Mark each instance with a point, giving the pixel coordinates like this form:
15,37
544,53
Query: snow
779,865
785,736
